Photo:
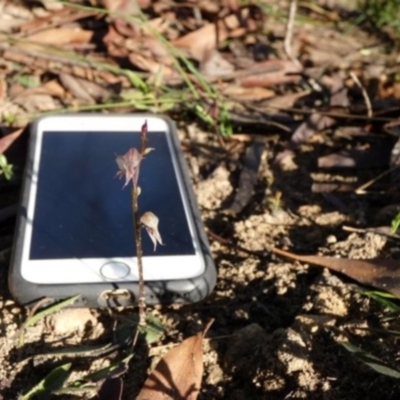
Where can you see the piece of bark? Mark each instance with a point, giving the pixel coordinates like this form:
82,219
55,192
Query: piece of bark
248,176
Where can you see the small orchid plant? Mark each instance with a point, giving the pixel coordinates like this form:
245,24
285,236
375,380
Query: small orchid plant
129,167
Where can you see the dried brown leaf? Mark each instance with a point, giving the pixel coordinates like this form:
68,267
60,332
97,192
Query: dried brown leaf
212,7
3,87
380,273
286,100
232,5
60,36
270,72
214,65
75,87
13,15
314,123
161,73
198,43
54,19
377,156
157,50
247,94
327,187
52,88
37,102
8,140
178,375
126,6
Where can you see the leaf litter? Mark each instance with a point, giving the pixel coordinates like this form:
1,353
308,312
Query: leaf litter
278,324
179,373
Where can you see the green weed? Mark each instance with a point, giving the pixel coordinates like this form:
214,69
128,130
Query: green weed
6,169
383,14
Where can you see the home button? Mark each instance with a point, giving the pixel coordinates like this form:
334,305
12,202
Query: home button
115,270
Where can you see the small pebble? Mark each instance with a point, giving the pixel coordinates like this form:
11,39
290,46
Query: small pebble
331,239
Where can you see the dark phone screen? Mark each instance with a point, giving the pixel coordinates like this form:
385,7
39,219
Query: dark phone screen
81,210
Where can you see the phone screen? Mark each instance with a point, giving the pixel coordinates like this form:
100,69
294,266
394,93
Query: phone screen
82,211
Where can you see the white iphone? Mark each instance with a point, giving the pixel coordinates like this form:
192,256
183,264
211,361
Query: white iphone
75,232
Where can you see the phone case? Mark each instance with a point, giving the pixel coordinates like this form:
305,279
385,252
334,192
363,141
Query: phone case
108,294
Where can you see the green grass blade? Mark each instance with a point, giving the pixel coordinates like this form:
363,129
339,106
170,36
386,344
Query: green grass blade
371,361
381,331
81,351
51,310
386,300
54,380
114,370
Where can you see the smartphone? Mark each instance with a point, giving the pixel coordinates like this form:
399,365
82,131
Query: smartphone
75,232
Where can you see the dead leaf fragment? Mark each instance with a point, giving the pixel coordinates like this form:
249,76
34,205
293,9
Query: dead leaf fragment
380,273
198,43
269,73
8,140
214,65
164,73
75,87
376,156
247,94
178,375
60,36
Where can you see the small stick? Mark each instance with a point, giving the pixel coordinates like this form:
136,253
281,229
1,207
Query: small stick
364,93
361,189
289,33
383,231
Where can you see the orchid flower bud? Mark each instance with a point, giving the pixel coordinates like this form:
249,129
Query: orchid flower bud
129,165
143,133
150,222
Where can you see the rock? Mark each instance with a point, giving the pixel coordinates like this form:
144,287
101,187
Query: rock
72,321
244,346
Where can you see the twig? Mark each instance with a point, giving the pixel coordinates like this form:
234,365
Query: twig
364,93
289,33
383,231
361,189
327,113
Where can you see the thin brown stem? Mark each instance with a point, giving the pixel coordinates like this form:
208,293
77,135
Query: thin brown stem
139,255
